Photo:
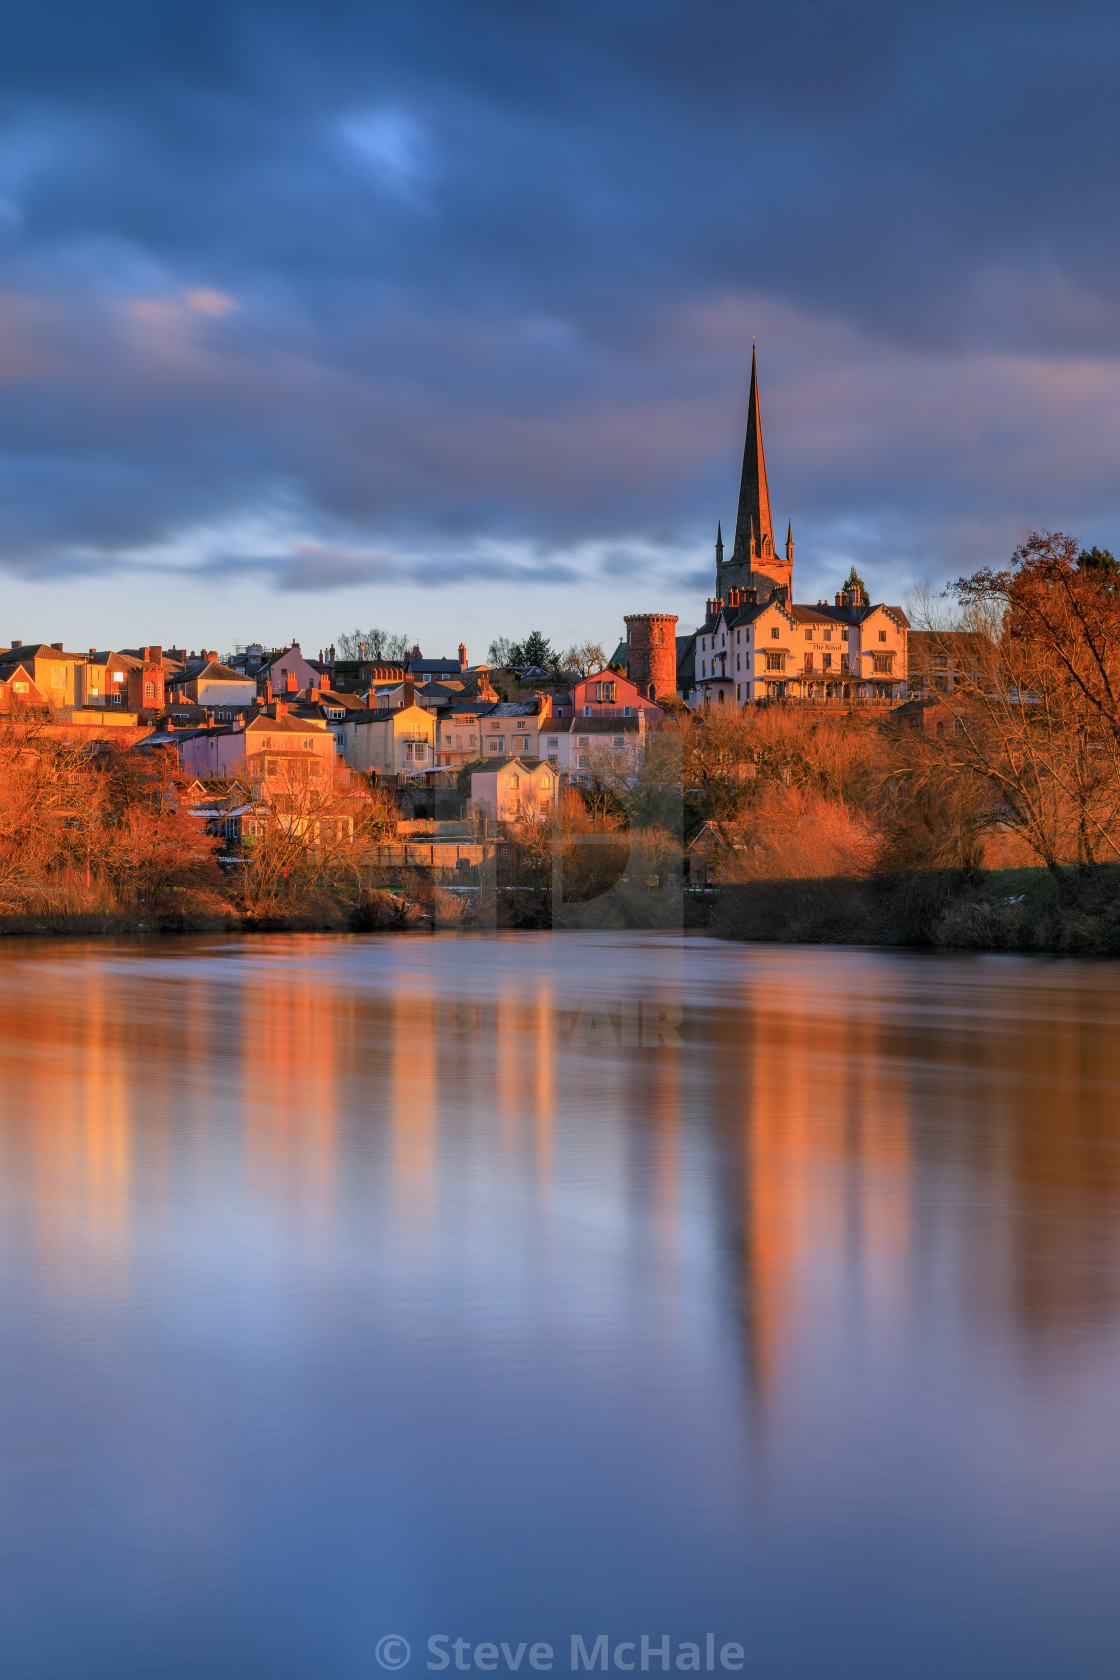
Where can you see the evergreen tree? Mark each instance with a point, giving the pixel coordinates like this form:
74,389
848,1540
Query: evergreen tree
854,581
1101,561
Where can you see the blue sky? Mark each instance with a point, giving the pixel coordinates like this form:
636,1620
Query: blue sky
439,315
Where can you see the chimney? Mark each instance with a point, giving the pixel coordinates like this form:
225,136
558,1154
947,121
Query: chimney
462,656
57,646
281,710
156,655
290,684
16,644
146,655
92,651
544,706
408,698
268,691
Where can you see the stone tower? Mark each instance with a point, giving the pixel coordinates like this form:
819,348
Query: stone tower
651,653
754,562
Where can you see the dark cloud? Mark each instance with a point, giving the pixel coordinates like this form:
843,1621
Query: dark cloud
381,277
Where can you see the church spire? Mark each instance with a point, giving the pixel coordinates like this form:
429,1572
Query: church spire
754,527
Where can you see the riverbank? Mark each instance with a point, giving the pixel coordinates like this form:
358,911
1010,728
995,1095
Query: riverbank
997,910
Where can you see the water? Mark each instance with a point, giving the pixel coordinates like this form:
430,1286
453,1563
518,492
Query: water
510,1289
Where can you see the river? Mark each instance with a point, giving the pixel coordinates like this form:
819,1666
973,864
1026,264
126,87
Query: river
762,1302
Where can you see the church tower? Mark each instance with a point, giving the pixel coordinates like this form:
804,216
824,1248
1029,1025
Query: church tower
754,562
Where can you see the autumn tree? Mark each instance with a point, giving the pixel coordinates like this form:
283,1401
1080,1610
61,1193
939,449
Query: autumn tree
1038,712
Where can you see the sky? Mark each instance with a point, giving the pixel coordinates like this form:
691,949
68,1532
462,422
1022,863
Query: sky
437,315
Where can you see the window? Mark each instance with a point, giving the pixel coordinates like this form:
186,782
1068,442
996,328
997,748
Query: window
774,661
738,635
843,635
583,741
552,758
808,635
583,761
416,751
496,744
626,711
587,711
883,663
703,667
775,632
308,746
738,691
553,740
521,743
738,661
118,676
843,665
828,634
620,740
58,678
546,782
515,780
808,662
882,635
149,691
826,661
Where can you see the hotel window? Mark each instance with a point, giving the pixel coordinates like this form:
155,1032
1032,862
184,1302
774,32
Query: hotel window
774,661
827,661
828,634
843,635
808,635
843,665
775,631
883,663
808,662
882,635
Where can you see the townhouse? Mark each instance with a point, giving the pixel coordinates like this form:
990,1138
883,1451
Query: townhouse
749,650
389,741
513,788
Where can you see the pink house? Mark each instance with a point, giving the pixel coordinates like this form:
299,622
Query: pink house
606,694
277,754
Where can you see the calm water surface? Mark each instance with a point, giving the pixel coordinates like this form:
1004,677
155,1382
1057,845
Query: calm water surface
510,1289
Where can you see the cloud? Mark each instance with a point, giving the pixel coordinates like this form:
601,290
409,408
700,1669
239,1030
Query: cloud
450,284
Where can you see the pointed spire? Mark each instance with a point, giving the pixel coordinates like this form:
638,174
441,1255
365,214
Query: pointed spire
754,527
789,542
719,542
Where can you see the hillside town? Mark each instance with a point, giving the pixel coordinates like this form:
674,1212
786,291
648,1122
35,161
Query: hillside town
791,731
255,718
